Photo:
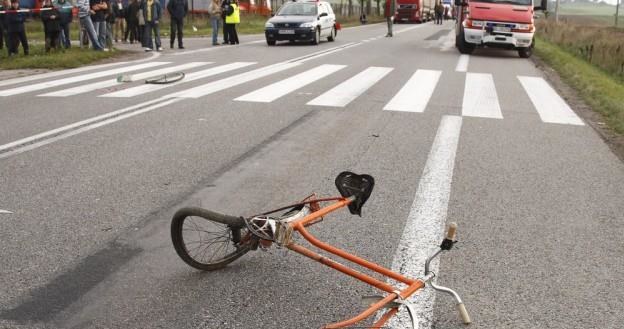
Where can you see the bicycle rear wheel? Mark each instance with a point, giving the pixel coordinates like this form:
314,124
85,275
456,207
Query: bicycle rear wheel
208,240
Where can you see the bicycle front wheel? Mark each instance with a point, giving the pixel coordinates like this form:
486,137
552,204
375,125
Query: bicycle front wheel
208,240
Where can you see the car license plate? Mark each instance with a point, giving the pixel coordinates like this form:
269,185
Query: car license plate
501,29
286,31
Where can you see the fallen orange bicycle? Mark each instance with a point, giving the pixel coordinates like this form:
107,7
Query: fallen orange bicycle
208,241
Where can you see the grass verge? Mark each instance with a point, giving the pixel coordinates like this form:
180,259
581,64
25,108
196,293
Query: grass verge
603,92
70,58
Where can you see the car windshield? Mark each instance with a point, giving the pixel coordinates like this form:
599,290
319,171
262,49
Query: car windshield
298,9
513,2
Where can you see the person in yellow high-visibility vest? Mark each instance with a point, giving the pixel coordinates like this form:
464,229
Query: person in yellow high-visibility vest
231,19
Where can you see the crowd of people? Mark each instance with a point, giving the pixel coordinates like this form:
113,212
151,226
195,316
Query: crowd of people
106,21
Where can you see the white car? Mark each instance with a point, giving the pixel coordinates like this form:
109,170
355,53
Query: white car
302,21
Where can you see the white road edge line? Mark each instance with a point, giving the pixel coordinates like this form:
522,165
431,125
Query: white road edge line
48,133
425,223
2,211
87,128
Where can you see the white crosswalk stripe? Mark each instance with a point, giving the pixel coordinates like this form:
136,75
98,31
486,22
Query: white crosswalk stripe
279,89
78,78
462,63
415,94
550,106
235,80
147,88
110,83
480,98
349,90
57,73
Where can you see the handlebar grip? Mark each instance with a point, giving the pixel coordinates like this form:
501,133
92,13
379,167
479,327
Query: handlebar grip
464,314
451,232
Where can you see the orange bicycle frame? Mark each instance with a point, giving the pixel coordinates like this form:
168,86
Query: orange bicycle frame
394,293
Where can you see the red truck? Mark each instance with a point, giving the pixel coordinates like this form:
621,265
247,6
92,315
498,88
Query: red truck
414,11
507,24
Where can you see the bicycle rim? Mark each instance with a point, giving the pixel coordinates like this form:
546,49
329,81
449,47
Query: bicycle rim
206,244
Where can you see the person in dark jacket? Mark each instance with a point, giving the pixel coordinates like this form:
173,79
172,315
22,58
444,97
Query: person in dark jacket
438,9
226,9
65,14
51,25
119,10
152,13
132,21
4,39
177,10
15,28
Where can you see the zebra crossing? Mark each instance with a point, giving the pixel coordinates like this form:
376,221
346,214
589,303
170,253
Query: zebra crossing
480,98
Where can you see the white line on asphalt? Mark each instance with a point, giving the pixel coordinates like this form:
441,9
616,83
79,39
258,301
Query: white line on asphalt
75,125
70,71
2,211
462,63
79,78
424,229
146,88
415,94
550,106
409,29
349,90
279,89
322,53
87,128
57,73
234,80
480,98
194,93
213,48
109,83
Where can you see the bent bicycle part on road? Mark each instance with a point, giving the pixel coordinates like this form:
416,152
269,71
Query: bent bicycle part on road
230,237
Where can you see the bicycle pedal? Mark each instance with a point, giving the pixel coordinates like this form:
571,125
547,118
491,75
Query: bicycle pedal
370,300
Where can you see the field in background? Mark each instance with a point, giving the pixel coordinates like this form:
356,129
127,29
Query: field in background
587,51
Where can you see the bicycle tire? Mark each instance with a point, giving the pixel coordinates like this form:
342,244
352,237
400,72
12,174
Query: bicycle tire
229,225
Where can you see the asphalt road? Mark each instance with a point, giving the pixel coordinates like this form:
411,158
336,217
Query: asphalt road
477,140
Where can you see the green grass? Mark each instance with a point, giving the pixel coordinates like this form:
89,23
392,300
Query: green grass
70,58
596,9
603,92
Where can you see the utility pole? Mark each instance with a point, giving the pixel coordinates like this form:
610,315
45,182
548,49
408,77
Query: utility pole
557,11
617,12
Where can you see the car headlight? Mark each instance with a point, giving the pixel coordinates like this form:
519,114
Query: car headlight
308,24
524,28
268,24
477,23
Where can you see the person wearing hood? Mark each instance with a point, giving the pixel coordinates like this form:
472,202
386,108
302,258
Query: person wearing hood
15,28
